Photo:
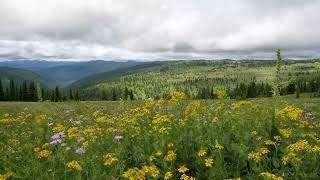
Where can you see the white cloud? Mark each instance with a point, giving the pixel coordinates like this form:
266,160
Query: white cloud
158,29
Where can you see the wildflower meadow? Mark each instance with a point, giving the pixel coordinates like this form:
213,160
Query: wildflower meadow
162,139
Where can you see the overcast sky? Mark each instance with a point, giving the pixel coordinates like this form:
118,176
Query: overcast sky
158,29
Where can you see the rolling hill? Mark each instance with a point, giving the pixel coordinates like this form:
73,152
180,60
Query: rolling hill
20,75
113,74
66,72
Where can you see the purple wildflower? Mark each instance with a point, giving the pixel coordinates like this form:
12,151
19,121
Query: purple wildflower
80,139
118,138
81,150
58,135
56,141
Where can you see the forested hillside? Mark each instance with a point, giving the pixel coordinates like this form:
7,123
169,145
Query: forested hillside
198,79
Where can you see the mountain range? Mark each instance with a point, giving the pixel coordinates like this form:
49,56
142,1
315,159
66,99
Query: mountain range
56,73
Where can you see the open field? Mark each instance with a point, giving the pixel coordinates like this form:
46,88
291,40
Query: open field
164,139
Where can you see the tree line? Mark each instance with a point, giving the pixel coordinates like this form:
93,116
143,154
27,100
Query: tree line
32,92
24,92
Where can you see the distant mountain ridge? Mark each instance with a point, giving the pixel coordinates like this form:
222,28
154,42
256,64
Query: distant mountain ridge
105,76
20,75
64,73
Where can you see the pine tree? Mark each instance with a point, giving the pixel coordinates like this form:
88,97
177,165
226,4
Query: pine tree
114,95
39,92
131,95
44,96
25,94
70,94
12,91
77,97
20,93
57,95
52,97
17,94
126,93
104,95
1,91
33,92
7,94
297,91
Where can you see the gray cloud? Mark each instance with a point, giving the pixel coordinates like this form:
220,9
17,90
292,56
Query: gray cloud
158,29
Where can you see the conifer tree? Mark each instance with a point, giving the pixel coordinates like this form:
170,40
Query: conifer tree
33,92
52,97
7,94
1,92
114,95
57,95
131,95
126,93
25,94
20,93
12,91
104,95
17,94
70,94
39,92
77,97
297,91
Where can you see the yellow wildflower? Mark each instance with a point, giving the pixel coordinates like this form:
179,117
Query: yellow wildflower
291,112
270,176
153,170
277,138
218,146
134,173
239,178
186,177
290,157
254,133
286,133
36,149
151,158
7,175
202,153
159,152
109,159
168,175
183,169
256,156
208,162
269,142
215,120
58,128
43,153
258,138
74,165
170,145
170,156
263,150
